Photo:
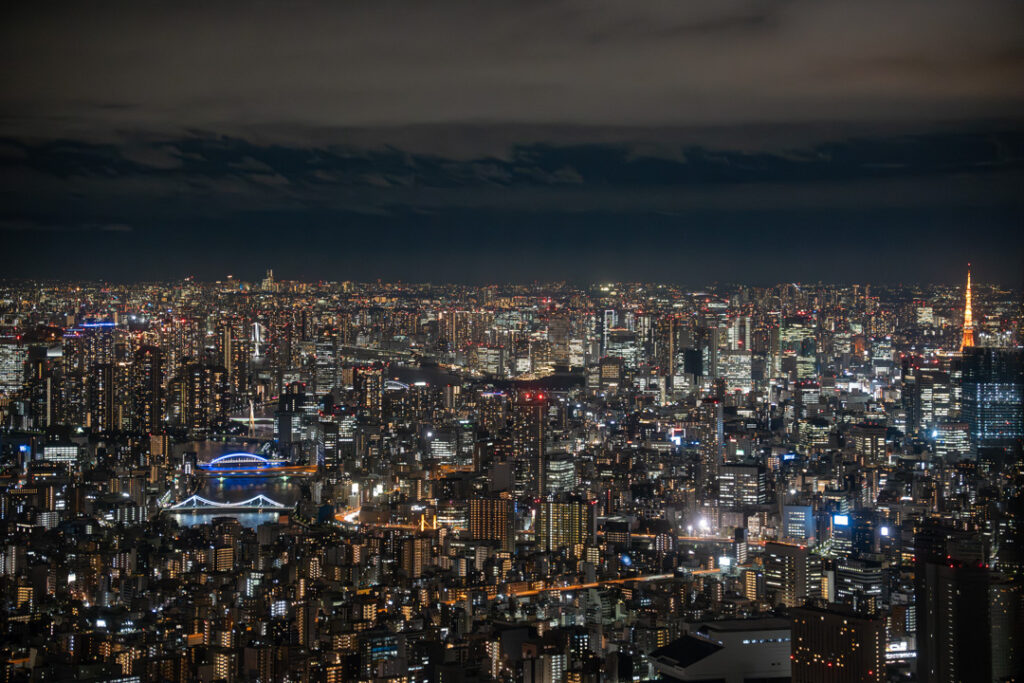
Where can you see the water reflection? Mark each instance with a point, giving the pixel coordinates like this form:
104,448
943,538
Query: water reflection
285,490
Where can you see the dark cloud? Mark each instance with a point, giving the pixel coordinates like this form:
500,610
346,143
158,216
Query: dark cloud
100,68
685,141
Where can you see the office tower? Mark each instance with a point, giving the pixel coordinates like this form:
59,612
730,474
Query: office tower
565,524
860,584
792,574
529,432
705,340
738,370
741,485
493,519
326,376
952,439
798,348
968,339
610,372
13,356
623,344
799,523
235,349
559,328
44,385
559,474
289,418
147,394
332,456
869,443
960,614
932,399
608,320
711,437
665,345
836,646
993,396
369,383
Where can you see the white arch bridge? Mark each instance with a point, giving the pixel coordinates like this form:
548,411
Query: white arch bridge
196,503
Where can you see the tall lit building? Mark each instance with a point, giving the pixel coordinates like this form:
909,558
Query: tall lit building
493,519
565,524
102,395
12,366
370,387
529,430
791,573
741,486
148,390
954,608
712,447
993,396
798,523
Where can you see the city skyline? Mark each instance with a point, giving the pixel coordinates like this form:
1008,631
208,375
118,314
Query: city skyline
552,341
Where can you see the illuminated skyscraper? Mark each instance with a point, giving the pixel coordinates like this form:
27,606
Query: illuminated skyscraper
370,387
148,390
792,574
529,428
968,339
993,396
565,524
711,438
493,519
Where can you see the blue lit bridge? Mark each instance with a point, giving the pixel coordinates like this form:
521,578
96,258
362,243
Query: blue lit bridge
198,504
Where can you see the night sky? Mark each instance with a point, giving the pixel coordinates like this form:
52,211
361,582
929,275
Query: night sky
486,142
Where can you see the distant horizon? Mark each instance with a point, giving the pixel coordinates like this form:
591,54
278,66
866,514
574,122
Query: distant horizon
694,287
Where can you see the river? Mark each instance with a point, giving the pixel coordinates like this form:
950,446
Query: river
285,490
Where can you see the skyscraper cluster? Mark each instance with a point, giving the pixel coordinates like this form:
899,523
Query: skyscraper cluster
341,481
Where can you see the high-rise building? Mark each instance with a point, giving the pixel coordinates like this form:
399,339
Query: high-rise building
529,432
565,524
792,573
369,383
559,474
798,346
954,608
148,390
869,443
493,519
203,396
711,437
416,555
102,397
799,523
836,646
933,394
861,584
12,366
993,396
741,486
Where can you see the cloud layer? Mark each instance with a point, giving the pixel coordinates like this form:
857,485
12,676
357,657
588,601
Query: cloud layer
98,68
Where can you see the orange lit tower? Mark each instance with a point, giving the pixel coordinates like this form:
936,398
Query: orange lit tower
968,339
